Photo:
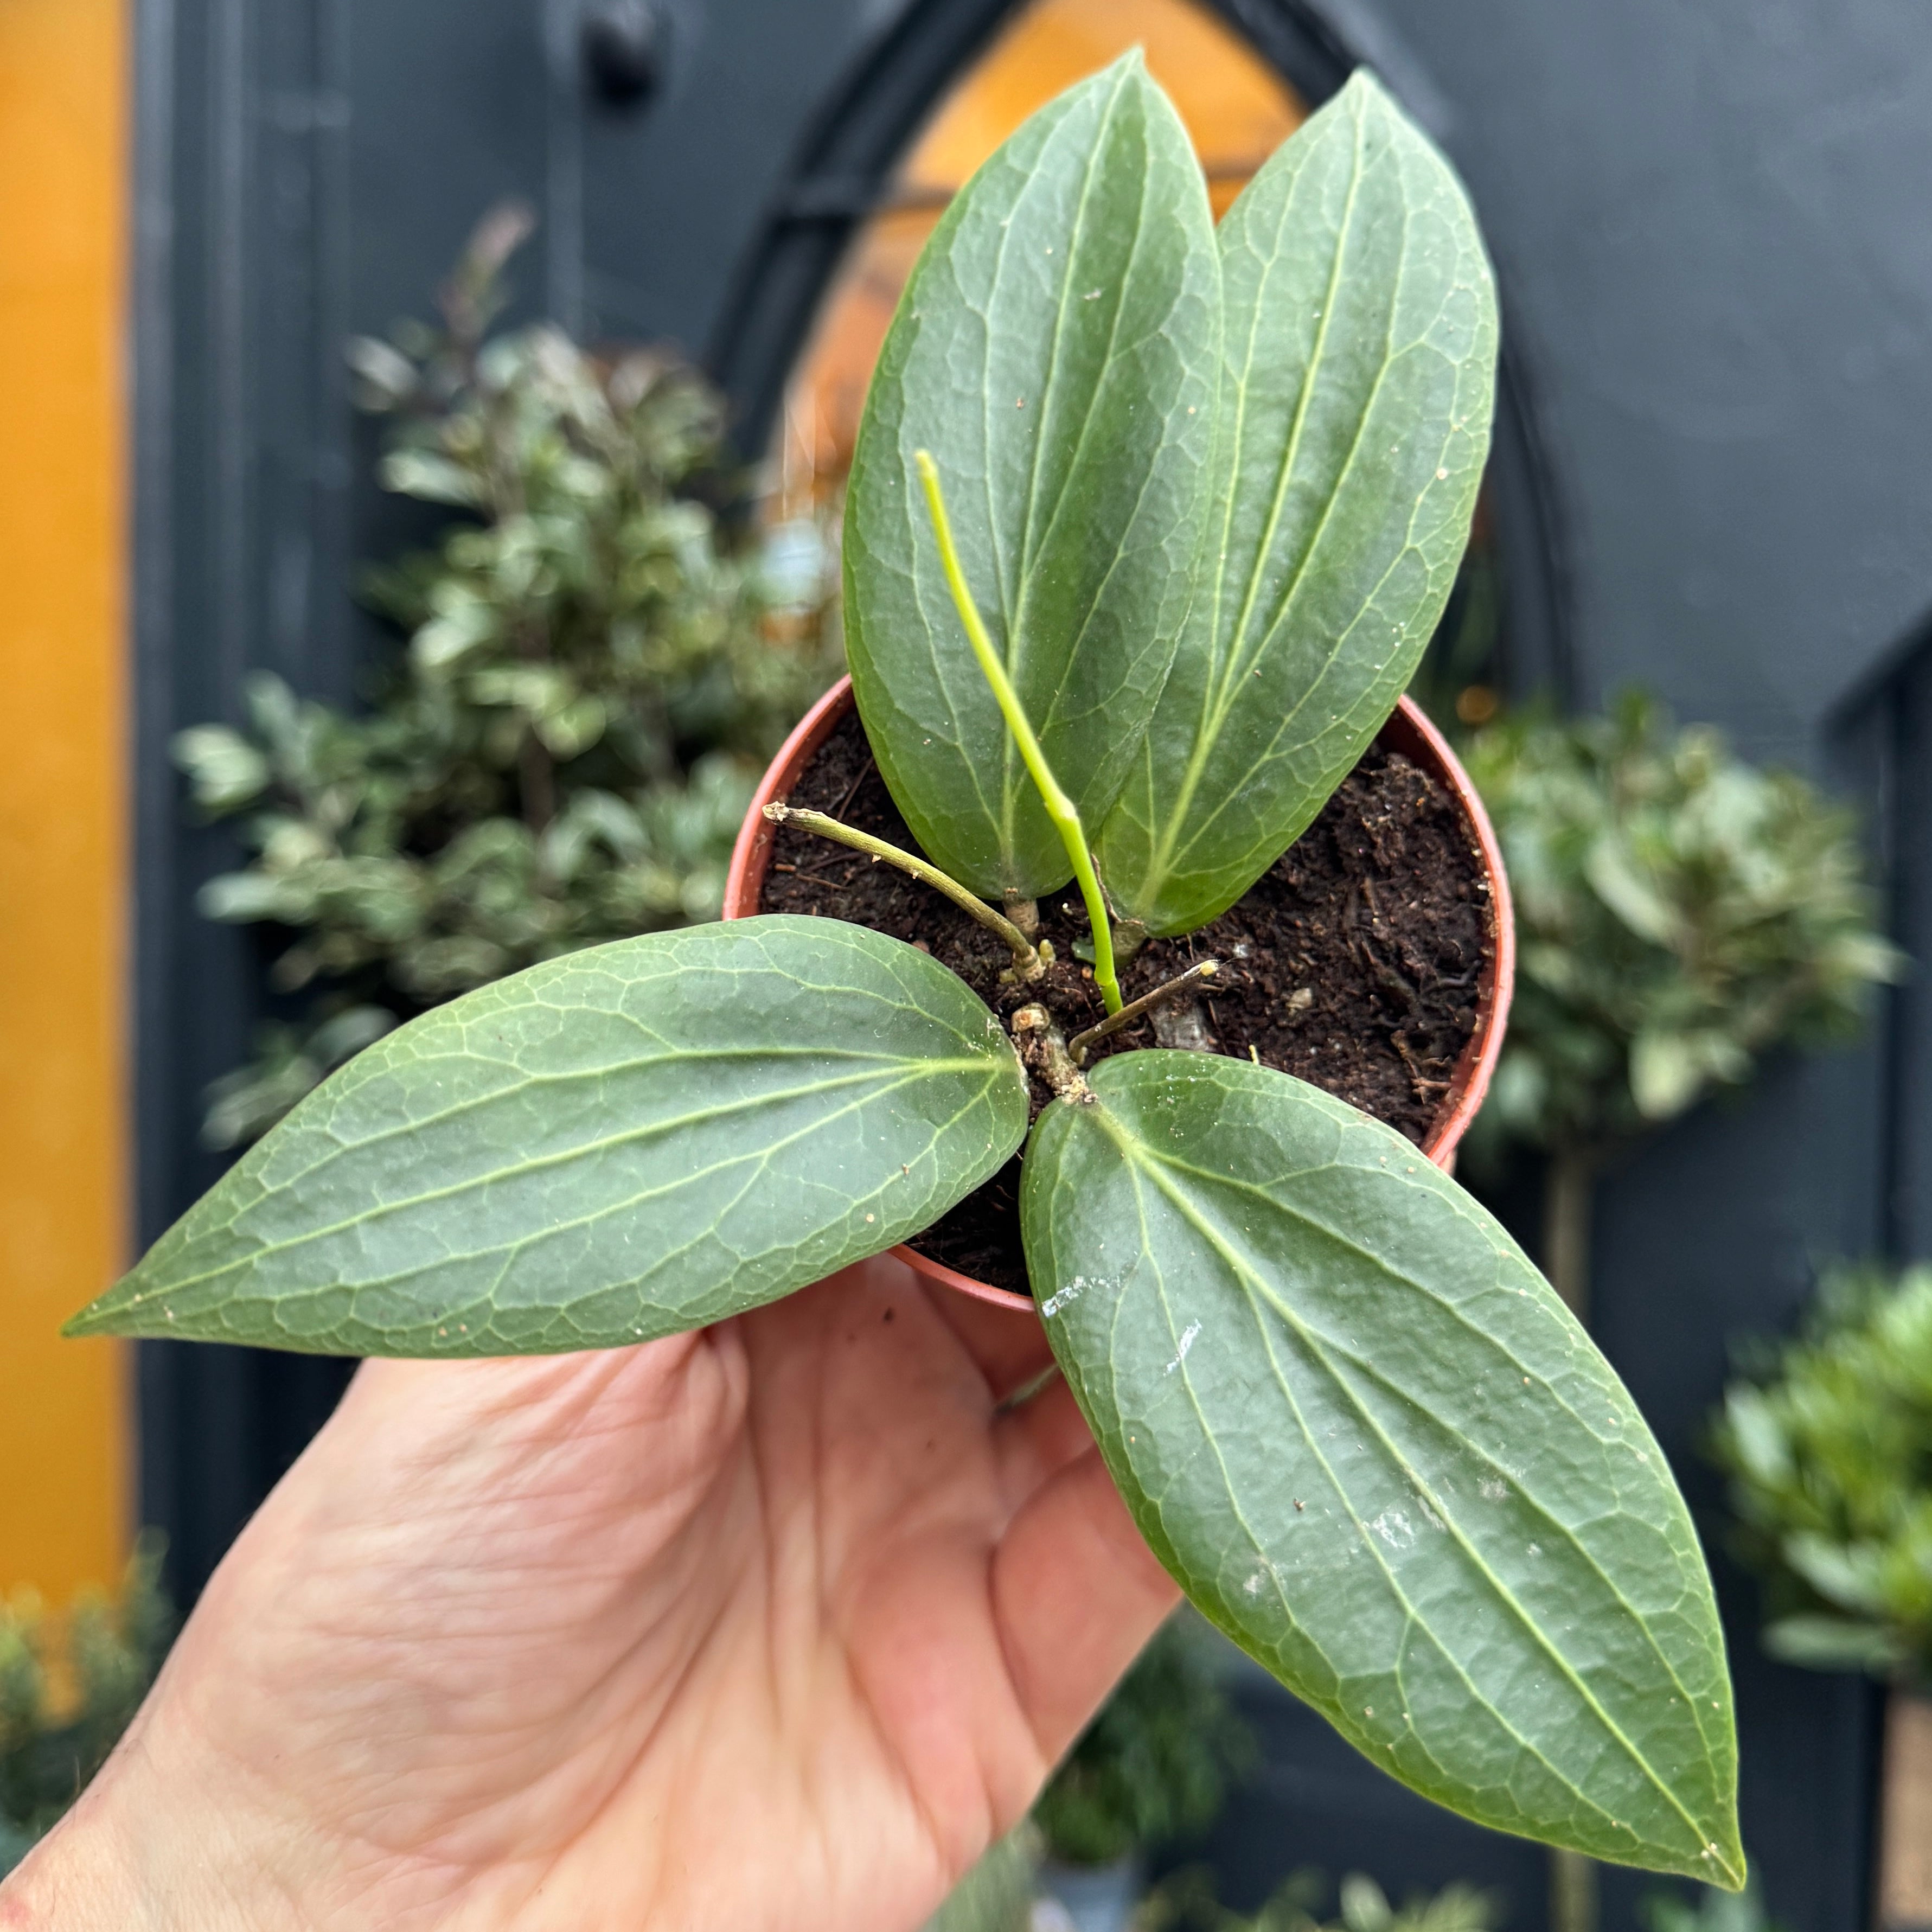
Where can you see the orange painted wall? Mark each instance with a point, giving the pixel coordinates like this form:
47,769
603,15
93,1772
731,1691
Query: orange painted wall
63,1404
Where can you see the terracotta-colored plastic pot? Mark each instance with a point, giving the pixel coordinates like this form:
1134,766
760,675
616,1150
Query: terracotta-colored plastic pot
1407,731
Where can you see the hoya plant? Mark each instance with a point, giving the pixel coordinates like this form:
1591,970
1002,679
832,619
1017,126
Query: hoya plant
1209,492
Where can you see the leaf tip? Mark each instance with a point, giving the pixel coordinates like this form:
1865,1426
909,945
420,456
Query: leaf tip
96,1318
1729,1862
116,1310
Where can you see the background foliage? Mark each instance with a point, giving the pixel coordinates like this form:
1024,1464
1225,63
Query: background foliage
1679,912
1157,1763
1829,1454
68,1687
601,657
1187,1903
1715,1912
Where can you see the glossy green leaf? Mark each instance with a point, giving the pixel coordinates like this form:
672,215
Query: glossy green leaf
1055,349
1371,1444
1356,390
621,1144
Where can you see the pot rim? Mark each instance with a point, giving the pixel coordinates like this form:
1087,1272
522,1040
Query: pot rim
1409,732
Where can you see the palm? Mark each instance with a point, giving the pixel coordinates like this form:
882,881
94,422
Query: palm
775,1625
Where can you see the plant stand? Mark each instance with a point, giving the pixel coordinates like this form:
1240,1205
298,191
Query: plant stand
1905,1842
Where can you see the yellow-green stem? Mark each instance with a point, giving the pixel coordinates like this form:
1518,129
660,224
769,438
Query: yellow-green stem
1061,809
1026,955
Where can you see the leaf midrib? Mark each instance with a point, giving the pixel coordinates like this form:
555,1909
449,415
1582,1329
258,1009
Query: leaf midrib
1138,1153
604,1144
1217,708
1339,1713
759,1159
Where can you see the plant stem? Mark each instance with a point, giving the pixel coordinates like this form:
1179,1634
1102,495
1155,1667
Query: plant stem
1042,1049
1026,955
1136,1009
1572,1892
1569,1183
536,782
1060,808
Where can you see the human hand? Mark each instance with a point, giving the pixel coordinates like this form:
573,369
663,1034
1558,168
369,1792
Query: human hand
775,1625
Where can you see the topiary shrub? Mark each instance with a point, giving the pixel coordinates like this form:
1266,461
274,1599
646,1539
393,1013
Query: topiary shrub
68,1687
601,654
1679,912
1828,1450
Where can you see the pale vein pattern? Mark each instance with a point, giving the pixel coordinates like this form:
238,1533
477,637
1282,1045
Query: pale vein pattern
1353,420
1373,1446
626,1142
1055,350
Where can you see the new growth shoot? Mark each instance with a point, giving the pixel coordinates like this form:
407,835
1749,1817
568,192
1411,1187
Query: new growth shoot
1060,808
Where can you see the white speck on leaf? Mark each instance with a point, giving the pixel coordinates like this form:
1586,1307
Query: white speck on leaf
1187,1336
1394,1529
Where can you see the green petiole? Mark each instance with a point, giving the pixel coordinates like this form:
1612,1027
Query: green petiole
1060,808
1028,960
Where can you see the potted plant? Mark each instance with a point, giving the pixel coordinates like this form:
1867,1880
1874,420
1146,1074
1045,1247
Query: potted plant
1828,1450
1211,492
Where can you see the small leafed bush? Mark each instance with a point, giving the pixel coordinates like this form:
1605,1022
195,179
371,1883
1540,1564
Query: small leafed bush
599,660
1679,912
1187,1903
1156,1763
68,1687
1829,1453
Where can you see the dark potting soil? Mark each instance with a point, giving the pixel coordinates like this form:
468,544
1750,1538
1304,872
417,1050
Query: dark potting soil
1353,962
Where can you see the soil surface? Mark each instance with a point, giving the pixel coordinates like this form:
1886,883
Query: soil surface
1352,963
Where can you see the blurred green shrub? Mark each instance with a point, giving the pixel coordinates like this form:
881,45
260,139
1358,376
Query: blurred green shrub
602,654
1186,1903
996,1894
1715,1912
68,1687
1157,1763
1679,914
1828,1450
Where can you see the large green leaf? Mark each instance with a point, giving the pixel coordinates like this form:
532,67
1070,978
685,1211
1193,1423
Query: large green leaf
626,1142
1356,390
1371,1444
1055,349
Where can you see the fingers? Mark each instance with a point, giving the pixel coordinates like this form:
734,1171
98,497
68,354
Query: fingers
1076,1593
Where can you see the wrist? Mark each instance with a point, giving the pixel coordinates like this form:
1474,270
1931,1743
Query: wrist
145,1850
